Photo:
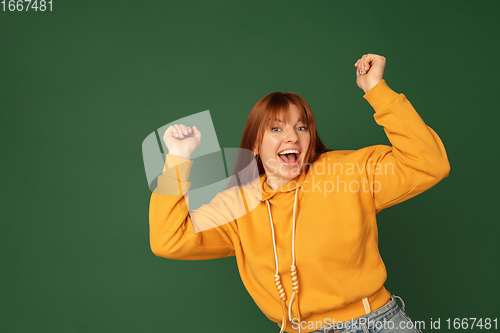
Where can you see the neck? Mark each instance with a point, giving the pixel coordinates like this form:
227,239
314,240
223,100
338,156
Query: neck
276,183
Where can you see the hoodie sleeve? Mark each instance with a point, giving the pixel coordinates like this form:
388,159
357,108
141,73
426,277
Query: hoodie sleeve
417,159
173,234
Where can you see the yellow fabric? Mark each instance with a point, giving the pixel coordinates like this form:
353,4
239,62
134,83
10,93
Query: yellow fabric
336,242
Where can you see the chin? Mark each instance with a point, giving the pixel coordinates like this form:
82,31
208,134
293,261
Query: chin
291,175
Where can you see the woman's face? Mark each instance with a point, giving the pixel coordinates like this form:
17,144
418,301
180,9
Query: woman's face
292,138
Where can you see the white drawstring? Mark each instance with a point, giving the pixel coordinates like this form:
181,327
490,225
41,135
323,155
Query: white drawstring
293,269
277,279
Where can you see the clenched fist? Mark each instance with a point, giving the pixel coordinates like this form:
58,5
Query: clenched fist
182,140
369,71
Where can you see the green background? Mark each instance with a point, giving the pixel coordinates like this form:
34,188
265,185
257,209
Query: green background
83,85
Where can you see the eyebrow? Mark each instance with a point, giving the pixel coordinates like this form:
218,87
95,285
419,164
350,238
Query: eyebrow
299,121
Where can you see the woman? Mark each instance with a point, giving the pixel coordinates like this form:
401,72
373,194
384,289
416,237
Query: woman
307,248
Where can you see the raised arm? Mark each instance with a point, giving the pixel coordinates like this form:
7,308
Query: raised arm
417,159
172,231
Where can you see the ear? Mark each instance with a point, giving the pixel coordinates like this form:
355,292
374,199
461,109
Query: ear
255,151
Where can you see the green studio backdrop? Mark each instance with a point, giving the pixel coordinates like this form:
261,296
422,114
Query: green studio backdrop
82,85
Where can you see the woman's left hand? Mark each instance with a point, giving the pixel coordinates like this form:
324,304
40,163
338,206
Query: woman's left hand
369,71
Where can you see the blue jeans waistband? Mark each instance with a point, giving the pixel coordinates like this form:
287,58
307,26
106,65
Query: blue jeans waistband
373,319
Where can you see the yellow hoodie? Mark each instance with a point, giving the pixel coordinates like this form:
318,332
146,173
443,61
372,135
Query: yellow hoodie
307,252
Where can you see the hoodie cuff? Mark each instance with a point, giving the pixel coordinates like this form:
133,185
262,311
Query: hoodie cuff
184,166
174,179
380,95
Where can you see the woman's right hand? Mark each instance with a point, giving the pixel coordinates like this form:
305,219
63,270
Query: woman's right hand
182,140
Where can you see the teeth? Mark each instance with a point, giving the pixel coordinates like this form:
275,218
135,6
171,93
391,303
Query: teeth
289,152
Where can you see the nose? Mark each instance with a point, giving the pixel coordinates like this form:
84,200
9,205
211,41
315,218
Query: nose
291,135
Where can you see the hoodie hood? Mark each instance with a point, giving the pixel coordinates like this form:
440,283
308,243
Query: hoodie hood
259,189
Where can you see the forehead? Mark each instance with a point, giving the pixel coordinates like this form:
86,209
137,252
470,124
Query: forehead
292,114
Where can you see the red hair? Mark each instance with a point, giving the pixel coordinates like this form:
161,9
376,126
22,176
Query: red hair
270,107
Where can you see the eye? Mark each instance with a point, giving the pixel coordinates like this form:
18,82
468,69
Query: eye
275,129
302,128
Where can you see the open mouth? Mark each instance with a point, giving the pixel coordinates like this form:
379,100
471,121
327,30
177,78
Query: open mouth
289,157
